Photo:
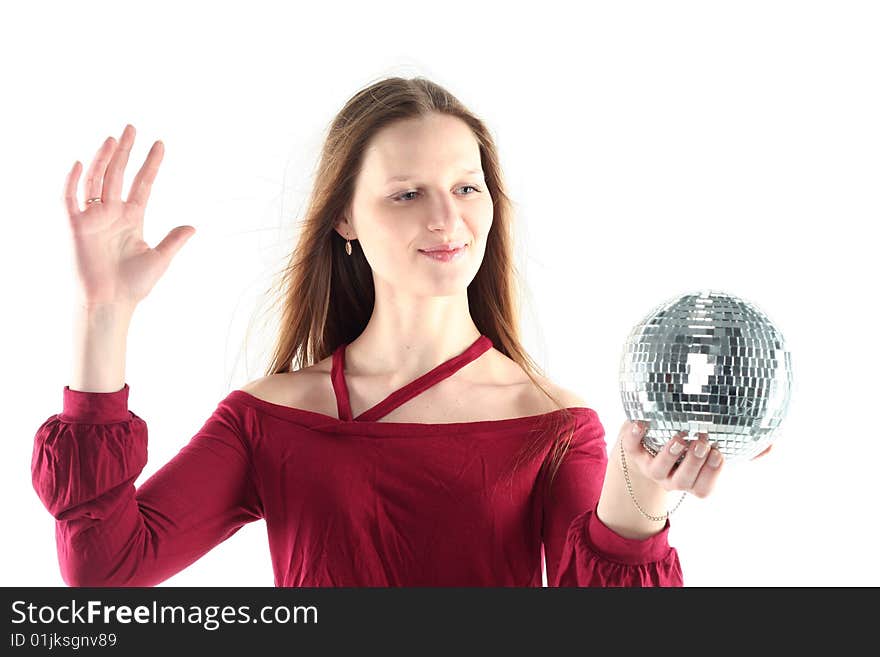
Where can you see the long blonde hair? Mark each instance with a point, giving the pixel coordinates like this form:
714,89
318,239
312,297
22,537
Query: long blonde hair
326,296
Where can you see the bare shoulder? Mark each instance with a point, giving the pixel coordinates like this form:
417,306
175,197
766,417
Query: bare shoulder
531,400
262,386
567,398
309,388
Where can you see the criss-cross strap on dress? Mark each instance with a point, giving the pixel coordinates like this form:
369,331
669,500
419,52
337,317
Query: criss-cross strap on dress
407,392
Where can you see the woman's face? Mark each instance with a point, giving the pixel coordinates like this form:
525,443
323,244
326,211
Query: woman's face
439,197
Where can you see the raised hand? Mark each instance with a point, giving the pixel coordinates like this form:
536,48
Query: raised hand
113,264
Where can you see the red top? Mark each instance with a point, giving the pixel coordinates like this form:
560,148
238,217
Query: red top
347,501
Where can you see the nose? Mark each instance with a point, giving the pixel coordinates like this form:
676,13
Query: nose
444,214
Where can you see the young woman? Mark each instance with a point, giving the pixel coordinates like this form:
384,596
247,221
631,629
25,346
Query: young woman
414,443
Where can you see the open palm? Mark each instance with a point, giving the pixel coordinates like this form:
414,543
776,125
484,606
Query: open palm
113,263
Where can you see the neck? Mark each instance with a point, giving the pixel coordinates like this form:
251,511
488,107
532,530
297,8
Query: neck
401,346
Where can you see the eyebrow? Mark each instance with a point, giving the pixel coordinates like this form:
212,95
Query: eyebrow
406,176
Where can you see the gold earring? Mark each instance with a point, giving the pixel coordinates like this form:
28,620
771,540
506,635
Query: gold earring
348,247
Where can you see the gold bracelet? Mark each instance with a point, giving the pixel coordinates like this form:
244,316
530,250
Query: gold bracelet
632,495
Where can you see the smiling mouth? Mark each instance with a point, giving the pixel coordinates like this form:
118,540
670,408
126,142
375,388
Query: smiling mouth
444,255
452,246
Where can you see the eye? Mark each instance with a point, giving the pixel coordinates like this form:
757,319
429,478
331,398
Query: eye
401,197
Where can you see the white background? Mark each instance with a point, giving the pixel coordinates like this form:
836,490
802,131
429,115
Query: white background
650,148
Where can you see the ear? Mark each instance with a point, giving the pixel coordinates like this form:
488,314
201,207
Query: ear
344,228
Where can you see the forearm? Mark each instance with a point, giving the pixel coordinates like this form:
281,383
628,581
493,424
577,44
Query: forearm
99,344
616,508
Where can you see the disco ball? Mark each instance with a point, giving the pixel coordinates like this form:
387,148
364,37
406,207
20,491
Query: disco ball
707,362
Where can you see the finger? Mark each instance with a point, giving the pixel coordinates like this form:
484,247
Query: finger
686,474
708,474
631,434
762,453
95,176
116,168
143,181
70,202
174,241
663,465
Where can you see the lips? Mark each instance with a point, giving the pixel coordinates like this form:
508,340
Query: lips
452,246
444,254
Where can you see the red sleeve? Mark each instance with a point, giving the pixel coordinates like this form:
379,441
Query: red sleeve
580,550
84,465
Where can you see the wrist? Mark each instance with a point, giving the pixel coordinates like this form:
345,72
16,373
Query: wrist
617,507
